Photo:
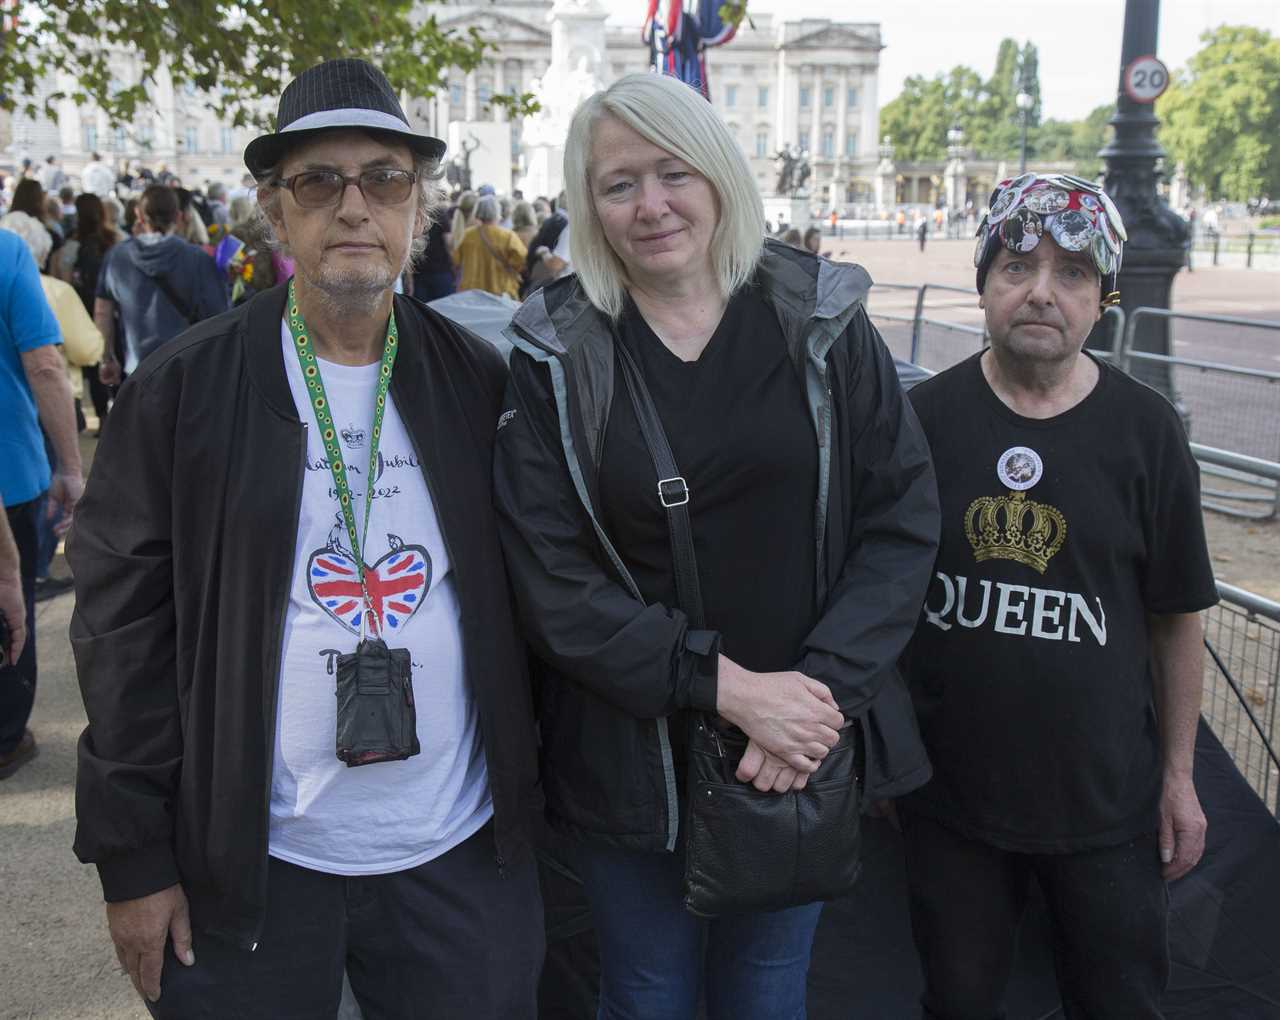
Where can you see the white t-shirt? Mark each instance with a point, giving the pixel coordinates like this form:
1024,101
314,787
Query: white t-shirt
388,816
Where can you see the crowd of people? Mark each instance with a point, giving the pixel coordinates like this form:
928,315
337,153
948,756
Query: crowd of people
365,615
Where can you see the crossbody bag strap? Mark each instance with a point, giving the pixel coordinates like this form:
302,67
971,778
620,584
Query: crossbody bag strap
496,257
673,490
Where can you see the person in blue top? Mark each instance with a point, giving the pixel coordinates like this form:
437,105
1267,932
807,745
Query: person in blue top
33,391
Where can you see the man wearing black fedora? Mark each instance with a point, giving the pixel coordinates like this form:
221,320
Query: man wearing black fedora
311,746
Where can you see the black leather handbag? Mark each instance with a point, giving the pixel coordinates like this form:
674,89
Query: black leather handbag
747,851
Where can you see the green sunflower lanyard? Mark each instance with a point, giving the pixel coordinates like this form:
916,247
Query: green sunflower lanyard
329,435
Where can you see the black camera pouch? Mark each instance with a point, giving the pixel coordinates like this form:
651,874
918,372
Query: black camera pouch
377,720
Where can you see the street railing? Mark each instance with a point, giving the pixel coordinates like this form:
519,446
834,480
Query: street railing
1220,248
1234,412
1242,686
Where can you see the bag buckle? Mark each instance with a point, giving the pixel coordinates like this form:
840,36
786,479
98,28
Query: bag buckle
673,492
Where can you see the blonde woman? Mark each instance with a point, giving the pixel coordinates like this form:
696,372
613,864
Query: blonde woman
814,518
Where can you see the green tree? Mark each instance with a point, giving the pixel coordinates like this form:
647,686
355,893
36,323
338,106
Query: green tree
920,116
1076,141
240,52
1222,114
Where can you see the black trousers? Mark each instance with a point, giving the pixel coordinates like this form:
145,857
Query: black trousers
1108,913
448,939
18,682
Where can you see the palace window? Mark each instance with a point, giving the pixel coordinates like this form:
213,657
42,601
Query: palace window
806,96
762,96
828,96
852,98
731,95
828,142
762,144
851,144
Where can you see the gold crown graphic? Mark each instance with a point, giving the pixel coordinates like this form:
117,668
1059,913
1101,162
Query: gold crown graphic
1013,527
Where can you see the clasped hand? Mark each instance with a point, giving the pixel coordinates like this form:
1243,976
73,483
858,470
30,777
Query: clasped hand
791,721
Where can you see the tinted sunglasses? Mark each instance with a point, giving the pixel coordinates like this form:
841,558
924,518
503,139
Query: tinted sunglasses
317,189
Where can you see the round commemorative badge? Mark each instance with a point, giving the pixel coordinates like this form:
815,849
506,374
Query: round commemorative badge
1071,229
1021,231
1003,204
980,249
1103,257
1019,468
1047,200
1113,214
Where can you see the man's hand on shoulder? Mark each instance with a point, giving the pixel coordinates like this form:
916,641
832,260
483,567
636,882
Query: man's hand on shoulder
139,929
1182,827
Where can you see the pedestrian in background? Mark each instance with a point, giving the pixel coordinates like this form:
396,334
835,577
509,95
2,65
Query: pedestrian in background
34,394
96,234
490,257
159,283
524,222
81,346
433,273
29,197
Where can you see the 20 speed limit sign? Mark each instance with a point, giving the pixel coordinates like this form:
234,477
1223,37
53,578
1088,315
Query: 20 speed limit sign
1145,79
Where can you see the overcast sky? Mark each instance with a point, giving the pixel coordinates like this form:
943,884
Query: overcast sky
1078,40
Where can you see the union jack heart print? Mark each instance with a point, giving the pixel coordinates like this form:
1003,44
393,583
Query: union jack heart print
397,584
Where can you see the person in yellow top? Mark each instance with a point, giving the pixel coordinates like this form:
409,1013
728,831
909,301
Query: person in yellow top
81,342
490,257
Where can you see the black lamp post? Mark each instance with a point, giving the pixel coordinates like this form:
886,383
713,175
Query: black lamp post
1024,102
1158,237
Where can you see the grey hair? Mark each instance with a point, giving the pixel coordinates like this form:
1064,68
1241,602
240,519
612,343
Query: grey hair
487,209
32,231
674,117
430,198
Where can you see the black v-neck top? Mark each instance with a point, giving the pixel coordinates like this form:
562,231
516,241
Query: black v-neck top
742,436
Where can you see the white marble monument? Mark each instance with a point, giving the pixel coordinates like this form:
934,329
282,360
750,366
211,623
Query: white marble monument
579,67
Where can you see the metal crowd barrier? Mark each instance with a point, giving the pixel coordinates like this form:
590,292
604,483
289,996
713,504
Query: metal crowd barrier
1242,686
1234,412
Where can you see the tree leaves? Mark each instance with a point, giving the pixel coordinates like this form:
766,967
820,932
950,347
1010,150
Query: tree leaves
1222,114
920,117
241,53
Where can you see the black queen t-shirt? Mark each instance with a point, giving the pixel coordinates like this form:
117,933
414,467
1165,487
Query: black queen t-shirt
1029,670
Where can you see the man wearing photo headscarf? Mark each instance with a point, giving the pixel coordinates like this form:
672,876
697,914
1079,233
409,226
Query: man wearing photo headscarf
1056,670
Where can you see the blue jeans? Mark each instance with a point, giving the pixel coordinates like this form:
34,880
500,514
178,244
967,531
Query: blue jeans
655,956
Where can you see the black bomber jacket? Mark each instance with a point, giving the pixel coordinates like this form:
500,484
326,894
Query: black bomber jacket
183,554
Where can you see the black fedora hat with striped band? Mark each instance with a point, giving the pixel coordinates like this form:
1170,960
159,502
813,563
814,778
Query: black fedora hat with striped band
336,94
